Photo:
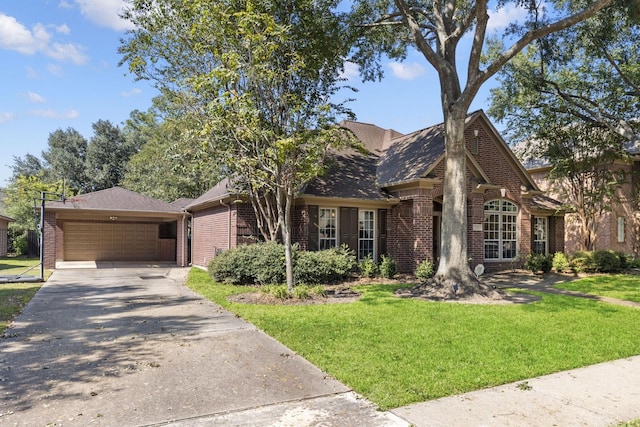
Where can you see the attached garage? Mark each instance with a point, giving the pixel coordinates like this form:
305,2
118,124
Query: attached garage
111,242
114,225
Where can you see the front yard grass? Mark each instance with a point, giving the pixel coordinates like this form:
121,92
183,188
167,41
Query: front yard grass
14,296
399,351
620,286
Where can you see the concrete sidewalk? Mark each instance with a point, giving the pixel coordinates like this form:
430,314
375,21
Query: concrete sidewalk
134,347
599,396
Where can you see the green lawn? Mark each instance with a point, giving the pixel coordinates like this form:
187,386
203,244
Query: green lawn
14,296
400,351
12,266
620,286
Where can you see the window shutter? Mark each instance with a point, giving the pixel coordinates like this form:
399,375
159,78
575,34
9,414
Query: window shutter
382,232
551,235
349,227
313,227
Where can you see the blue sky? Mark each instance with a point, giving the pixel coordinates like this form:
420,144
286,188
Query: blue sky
60,69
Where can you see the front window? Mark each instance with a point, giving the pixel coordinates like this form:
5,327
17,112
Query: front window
365,234
327,228
540,235
500,230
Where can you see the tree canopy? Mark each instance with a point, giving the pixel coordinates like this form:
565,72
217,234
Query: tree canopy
254,81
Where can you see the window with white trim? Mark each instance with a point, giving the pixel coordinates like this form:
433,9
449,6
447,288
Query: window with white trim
327,230
540,232
500,230
366,227
620,229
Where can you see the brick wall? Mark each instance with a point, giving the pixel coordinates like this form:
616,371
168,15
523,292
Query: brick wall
400,236
52,240
211,230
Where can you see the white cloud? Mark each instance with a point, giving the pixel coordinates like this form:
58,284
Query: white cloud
105,13
34,97
501,18
52,114
63,29
17,37
407,71
132,92
55,70
68,51
6,116
350,70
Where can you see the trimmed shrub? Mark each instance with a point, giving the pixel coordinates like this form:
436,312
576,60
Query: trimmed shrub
323,267
538,262
582,262
560,262
250,264
606,261
425,270
625,260
368,267
388,267
264,263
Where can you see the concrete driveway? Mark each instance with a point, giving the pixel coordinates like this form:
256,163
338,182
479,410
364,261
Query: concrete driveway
134,347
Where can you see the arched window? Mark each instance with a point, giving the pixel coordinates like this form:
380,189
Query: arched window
500,230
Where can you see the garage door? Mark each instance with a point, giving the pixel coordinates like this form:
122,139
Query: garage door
110,242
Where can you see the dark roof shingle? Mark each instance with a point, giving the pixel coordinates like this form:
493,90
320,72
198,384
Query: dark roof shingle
114,199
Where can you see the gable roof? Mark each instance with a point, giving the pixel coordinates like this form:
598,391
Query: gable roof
114,199
6,218
414,156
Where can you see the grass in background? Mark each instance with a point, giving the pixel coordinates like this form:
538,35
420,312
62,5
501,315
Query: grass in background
13,266
399,351
620,286
13,298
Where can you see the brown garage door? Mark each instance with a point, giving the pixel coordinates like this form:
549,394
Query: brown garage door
110,242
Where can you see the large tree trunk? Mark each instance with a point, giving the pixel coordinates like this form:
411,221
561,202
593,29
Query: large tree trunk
453,247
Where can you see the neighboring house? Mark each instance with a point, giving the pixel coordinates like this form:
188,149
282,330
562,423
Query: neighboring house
618,229
114,225
4,227
389,201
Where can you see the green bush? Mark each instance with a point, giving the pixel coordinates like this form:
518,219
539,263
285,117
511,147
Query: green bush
18,242
560,262
388,267
368,267
625,260
425,270
606,261
263,263
322,267
538,262
250,264
582,262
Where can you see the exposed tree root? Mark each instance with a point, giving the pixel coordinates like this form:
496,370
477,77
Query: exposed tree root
439,288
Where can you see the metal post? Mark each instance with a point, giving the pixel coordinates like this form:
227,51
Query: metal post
42,200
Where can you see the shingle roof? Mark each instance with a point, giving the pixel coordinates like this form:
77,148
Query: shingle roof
410,156
182,202
374,138
220,191
114,199
6,218
547,203
349,176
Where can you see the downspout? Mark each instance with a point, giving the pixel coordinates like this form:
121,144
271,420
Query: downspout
228,223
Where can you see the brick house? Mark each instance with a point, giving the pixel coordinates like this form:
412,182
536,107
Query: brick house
619,228
4,227
388,200
114,225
